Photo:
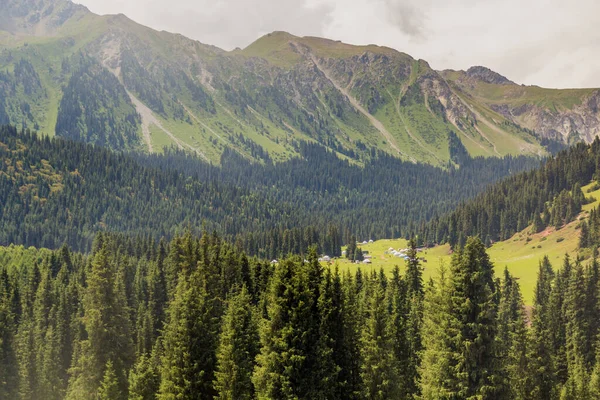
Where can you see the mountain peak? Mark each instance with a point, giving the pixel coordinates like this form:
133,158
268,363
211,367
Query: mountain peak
37,17
486,75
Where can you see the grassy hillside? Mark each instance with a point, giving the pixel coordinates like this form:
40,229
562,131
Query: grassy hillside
566,115
521,254
262,100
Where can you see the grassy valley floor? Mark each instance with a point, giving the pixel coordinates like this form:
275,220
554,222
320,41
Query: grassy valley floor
521,254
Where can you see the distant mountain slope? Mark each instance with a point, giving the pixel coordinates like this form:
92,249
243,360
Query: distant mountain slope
266,98
549,197
566,115
54,191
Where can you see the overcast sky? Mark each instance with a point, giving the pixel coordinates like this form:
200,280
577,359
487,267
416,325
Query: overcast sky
551,43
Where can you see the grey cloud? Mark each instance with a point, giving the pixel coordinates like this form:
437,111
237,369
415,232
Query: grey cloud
224,23
550,43
408,16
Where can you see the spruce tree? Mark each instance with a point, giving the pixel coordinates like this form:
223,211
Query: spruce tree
438,357
511,342
464,353
379,370
107,327
558,321
414,319
109,387
292,357
331,333
189,342
144,378
238,347
8,360
591,313
399,307
576,336
473,306
348,359
541,347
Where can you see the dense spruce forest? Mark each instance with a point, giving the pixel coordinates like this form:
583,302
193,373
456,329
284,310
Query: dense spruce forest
95,107
548,196
197,319
55,191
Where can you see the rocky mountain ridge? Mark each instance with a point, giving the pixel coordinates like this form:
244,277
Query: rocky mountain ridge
266,99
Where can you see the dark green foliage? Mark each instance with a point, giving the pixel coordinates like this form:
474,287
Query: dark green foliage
238,348
353,252
96,109
144,378
139,81
590,230
295,360
379,370
8,361
20,91
109,387
385,198
54,191
548,196
108,344
467,347
436,368
511,342
458,153
541,350
85,189
113,325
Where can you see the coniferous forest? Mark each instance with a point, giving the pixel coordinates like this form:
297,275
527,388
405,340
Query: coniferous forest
195,318
56,191
152,277
245,215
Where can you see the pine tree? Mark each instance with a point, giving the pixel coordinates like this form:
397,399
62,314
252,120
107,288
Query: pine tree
576,336
558,321
144,378
189,342
438,357
238,347
472,300
107,327
109,387
414,270
331,333
538,224
414,319
399,307
511,342
379,370
594,386
585,240
591,312
293,354
8,361
348,359
464,352
540,353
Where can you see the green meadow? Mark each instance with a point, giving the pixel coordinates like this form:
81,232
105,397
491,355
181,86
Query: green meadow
521,254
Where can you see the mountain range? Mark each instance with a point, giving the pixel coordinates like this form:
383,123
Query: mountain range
109,81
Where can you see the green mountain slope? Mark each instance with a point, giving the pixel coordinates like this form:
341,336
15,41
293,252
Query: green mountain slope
54,191
265,99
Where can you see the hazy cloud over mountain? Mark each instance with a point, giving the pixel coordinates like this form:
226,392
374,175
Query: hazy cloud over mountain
550,43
